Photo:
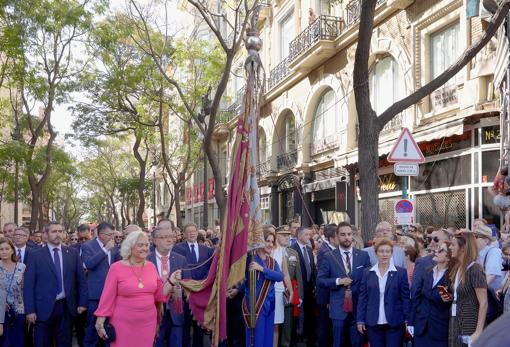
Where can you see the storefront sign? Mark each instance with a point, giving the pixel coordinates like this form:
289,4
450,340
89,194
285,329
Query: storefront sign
406,169
491,134
188,195
388,183
195,193
449,144
210,189
444,97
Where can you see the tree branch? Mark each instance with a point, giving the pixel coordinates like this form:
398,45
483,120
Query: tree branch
464,59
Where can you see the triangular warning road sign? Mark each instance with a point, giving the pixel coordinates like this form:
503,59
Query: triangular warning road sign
406,149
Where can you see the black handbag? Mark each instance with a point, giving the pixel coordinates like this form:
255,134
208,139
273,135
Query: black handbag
110,332
10,317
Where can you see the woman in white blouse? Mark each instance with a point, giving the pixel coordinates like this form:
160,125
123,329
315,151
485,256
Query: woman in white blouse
383,302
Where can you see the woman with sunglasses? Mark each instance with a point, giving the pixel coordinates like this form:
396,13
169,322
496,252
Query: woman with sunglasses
469,291
429,313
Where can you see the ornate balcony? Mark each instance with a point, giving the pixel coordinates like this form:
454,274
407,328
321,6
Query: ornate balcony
353,10
325,144
323,28
263,169
393,125
287,160
278,73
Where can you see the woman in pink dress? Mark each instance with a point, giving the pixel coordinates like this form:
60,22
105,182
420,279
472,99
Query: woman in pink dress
131,291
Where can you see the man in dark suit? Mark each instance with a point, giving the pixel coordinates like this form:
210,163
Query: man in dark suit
309,272
35,239
341,270
199,257
435,240
54,289
97,256
330,243
20,238
167,262
80,323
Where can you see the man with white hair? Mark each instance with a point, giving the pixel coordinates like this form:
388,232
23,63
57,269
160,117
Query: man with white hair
384,230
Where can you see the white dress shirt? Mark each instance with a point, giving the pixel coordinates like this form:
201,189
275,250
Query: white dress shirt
108,253
158,263
22,249
382,286
62,294
329,244
437,275
196,249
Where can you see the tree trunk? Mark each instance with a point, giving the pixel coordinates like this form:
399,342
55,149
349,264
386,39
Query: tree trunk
16,193
368,142
177,200
141,180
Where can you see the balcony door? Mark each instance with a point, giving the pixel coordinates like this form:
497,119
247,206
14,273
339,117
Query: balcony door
286,34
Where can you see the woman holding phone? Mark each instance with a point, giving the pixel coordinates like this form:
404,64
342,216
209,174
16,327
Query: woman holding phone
469,289
429,313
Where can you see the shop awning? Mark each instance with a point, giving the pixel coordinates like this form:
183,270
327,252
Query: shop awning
455,127
321,185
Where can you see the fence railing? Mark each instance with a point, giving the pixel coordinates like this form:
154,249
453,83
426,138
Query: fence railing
287,160
323,28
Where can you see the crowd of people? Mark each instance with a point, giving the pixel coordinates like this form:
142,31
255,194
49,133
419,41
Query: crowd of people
314,286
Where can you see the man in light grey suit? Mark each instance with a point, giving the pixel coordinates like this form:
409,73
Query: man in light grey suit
384,230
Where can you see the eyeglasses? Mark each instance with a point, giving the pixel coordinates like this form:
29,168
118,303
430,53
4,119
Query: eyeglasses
74,239
435,239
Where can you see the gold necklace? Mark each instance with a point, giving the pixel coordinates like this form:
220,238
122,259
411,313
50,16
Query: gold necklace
139,276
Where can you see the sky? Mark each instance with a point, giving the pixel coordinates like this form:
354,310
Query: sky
62,118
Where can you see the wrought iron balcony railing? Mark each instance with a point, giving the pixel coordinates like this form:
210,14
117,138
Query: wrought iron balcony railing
353,10
278,73
323,28
287,160
263,168
324,144
395,124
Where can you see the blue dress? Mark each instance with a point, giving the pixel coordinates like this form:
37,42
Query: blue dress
263,332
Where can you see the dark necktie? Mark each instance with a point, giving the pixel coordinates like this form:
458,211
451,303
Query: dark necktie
19,255
194,252
56,261
348,261
307,263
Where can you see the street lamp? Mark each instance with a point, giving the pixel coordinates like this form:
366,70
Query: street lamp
203,118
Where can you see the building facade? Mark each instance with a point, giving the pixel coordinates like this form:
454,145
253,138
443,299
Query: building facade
308,130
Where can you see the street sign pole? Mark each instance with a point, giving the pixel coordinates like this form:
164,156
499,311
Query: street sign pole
405,227
406,155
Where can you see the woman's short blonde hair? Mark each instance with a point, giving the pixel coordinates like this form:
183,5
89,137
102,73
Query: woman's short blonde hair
129,242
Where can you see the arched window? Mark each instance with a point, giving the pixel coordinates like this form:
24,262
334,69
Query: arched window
325,122
386,84
262,146
289,135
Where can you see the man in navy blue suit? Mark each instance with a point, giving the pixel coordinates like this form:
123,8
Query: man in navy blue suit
97,256
20,239
54,289
167,262
322,292
199,257
309,273
341,270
